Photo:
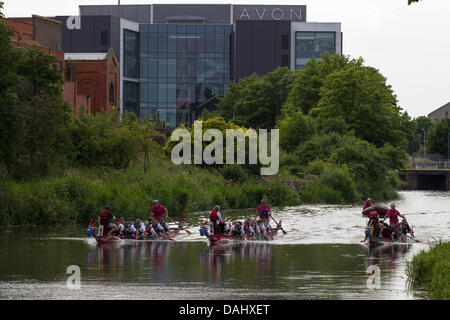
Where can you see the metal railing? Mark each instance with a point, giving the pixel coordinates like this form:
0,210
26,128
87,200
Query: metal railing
429,161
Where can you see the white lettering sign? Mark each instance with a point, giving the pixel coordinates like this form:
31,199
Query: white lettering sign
73,23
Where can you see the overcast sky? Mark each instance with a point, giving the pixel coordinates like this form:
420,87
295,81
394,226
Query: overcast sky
410,45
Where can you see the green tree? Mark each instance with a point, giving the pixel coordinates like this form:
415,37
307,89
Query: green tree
305,93
438,137
254,101
33,113
295,129
357,99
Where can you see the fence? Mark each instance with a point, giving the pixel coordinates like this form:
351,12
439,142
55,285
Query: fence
429,161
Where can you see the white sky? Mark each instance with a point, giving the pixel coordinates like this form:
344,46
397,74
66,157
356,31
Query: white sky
410,45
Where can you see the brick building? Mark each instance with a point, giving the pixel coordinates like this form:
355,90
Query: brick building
97,76
90,80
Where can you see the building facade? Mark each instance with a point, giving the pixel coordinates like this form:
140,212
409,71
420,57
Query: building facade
440,113
177,59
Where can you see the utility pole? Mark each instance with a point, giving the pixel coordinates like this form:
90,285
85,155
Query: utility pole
424,146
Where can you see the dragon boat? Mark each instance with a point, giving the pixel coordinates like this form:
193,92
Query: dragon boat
173,232
223,238
381,210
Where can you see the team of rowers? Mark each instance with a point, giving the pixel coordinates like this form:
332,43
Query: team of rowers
156,227
378,228
257,228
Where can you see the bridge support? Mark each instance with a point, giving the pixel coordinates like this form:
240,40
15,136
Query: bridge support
427,179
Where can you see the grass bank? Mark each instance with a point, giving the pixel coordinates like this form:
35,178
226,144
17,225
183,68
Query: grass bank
430,271
80,194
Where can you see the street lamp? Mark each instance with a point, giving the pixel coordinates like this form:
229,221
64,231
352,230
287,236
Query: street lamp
424,146
164,125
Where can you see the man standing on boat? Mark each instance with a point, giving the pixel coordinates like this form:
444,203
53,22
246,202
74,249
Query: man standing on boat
158,210
104,220
393,215
216,224
264,213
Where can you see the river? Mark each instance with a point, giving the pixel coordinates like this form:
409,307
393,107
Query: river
320,257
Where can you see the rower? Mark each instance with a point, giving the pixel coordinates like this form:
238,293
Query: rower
405,229
367,204
158,210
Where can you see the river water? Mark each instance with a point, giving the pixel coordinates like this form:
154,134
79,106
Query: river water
320,257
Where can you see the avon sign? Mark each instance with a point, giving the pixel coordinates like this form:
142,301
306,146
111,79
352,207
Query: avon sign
269,13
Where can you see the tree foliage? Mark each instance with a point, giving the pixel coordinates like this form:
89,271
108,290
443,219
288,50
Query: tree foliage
254,101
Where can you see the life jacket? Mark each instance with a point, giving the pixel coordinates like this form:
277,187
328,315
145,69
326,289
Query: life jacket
264,214
213,216
104,216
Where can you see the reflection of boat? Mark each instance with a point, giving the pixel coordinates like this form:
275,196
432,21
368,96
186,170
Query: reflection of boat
376,242
220,238
381,210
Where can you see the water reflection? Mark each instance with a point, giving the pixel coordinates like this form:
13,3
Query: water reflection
390,255
213,258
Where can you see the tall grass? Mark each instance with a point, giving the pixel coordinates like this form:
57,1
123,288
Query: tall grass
430,270
80,194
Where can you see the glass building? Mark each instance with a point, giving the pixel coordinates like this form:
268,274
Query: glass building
183,69
177,59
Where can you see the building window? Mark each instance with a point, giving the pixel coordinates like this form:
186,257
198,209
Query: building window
104,38
184,68
284,42
131,54
313,44
112,95
131,97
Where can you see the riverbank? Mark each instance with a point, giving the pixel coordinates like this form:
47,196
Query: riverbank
79,194
430,271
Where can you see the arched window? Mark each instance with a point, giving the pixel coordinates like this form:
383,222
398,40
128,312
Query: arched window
112,96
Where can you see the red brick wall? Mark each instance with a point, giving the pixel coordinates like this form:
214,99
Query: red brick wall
23,31
94,78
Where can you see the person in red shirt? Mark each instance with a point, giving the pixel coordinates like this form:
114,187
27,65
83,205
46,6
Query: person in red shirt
393,215
216,224
367,204
104,221
158,211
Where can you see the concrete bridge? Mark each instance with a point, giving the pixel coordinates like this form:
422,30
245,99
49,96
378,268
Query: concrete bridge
427,179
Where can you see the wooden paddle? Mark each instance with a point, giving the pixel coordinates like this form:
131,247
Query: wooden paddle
179,227
278,226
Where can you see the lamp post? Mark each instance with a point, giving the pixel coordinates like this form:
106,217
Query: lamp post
164,125
424,146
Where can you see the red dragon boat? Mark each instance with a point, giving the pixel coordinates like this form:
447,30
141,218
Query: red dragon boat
92,232
220,238
381,210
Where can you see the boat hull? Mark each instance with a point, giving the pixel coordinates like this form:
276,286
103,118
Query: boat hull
381,210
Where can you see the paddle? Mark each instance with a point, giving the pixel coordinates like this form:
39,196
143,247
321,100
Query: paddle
180,227
278,226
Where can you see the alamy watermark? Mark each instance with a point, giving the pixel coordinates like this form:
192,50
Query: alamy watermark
213,152
374,280
74,280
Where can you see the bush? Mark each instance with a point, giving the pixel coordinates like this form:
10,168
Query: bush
430,270
335,186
